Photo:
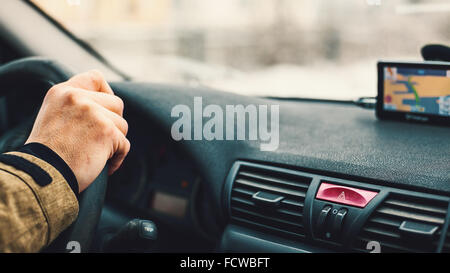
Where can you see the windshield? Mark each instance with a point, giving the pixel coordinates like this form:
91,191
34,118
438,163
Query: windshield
324,49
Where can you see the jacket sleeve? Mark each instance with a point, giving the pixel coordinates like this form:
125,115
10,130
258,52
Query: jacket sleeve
37,202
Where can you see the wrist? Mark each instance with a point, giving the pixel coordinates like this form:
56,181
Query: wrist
45,153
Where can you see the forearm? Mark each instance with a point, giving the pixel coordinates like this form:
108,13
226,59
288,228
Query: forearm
36,200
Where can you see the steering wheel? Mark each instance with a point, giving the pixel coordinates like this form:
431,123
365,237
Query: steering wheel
36,74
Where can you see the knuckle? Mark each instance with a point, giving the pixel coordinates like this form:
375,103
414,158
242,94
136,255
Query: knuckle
127,145
55,90
104,127
52,91
120,104
71,97
85,108
124,146
95,75
125,126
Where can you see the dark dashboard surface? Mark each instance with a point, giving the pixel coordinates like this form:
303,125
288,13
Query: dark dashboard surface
327,138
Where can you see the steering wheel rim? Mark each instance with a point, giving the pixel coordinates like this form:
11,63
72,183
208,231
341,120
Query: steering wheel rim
49,72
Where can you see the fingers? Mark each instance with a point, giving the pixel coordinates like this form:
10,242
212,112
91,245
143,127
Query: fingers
108,106
118,120
92,80
111,102
122,147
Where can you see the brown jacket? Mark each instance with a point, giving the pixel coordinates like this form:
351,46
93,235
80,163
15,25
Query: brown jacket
31,215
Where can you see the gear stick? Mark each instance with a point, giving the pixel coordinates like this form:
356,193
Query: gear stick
135,236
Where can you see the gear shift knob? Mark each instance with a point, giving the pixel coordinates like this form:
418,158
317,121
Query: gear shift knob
135,236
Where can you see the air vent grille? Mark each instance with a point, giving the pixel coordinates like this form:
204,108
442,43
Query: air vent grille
285,219
384,224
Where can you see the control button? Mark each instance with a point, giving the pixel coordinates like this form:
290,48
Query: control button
321,221
148,230
338,223
345,195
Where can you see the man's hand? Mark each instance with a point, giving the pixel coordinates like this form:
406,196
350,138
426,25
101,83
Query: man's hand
81,120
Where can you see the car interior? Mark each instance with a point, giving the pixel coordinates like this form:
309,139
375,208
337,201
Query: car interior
230,196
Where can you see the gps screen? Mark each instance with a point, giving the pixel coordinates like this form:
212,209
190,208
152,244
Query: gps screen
417,90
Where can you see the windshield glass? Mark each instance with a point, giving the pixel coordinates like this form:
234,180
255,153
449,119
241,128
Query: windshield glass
285,48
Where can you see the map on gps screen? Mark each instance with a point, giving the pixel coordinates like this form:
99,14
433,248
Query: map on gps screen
417,90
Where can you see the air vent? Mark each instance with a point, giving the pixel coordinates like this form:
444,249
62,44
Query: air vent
269,200
404,223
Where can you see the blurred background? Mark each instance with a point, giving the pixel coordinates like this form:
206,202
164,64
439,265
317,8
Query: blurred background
287,48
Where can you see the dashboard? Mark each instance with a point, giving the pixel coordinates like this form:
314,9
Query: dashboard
159,181
156,178
189,187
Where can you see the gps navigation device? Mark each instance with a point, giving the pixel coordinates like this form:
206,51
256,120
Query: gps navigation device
417,92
